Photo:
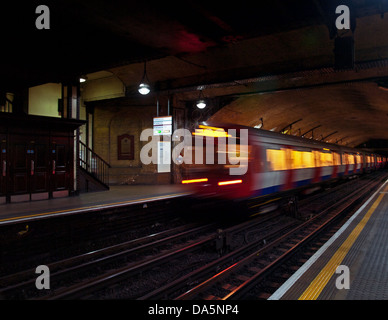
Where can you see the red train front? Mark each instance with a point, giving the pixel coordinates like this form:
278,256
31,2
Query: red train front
219,162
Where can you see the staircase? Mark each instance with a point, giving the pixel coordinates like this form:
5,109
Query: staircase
94,171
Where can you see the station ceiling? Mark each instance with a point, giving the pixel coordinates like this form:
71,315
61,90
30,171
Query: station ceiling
271,63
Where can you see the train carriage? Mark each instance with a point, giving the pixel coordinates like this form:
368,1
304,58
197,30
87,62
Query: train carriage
275,163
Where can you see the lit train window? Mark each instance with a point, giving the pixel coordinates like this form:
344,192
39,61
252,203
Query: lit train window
308,159
349,158
326,159
277,159
336,159
296,159
358,159
285,159
302,159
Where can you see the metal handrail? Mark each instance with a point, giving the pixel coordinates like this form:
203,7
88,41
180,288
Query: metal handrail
93,163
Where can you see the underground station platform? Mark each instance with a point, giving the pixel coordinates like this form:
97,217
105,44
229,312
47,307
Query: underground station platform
352,265
117,196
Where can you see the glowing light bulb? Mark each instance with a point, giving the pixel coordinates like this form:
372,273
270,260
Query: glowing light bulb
144,89
201,104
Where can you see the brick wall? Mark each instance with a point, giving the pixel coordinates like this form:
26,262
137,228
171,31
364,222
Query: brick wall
111,121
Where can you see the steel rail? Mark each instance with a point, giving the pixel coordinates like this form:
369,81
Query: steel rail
239,291
61,269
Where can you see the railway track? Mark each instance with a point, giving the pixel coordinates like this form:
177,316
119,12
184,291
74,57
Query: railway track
126,260
212,261
238,280
67,268
209,243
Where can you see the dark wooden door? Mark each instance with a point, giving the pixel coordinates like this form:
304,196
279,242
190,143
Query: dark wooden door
3,168
61,166
39,168
19,167
30,168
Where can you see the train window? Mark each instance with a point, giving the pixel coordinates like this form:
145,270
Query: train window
336,159
358,159
326,159
277,159
285,159
308,159
302,159
349,158
296,159
227,155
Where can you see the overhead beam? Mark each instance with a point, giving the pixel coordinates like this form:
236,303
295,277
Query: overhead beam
324,138
290,125
375,71
311,130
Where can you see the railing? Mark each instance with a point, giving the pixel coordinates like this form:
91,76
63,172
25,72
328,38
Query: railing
93,164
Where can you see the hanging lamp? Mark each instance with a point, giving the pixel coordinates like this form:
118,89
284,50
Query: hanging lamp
201,102
144,88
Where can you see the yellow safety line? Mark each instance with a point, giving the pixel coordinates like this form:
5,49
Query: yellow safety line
90,207
318,284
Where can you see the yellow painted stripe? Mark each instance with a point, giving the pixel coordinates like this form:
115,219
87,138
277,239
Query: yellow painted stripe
90,207
318,284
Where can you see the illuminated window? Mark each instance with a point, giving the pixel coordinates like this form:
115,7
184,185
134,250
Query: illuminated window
326,159
308,159
296,160
302,159
285,159
358,159
277,159
349,158
336,159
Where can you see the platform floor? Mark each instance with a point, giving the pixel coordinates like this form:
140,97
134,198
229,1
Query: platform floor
116,196
359,249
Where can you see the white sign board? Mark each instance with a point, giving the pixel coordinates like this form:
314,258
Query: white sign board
164,156
163,126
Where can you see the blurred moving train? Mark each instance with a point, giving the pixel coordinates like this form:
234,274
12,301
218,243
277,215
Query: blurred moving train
277,163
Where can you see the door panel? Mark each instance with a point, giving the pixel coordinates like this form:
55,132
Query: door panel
30,164
39,168
60,164
19,160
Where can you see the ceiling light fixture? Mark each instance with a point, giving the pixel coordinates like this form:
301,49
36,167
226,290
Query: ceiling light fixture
201,103
144,88
83,79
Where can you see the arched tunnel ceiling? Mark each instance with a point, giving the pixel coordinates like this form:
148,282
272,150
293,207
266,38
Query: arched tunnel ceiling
351,114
